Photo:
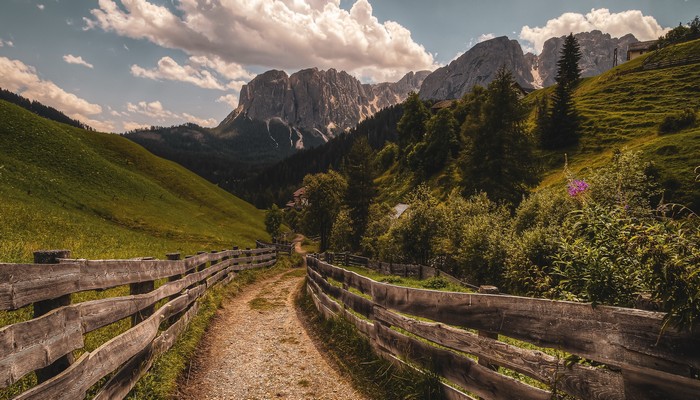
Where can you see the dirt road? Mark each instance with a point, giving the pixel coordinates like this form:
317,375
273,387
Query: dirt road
258,349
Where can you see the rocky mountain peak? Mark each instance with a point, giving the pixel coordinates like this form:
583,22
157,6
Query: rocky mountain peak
318,102
597,54
477,66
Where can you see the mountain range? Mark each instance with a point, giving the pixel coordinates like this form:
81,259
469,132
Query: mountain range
279,114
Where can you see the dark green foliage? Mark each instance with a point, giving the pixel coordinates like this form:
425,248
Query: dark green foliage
441,141
276,183
343,231
273,221
411,127
568,70
496,157
562,129
681,33
359,172
678,121
325,195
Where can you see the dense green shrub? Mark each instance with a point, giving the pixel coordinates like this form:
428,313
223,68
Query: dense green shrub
678,121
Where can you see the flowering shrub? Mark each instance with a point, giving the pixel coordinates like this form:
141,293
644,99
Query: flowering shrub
577,187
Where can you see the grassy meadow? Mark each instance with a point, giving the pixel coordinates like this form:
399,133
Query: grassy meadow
103,196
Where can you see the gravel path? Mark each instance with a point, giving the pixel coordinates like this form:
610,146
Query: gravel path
257,348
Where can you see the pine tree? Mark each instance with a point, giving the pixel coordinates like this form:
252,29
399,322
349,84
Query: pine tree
359,172
411,127
563,127
441,140
497,157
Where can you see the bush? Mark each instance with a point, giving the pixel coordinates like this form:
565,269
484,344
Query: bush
676,122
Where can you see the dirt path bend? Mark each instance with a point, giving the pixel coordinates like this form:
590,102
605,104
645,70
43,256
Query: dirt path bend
256,348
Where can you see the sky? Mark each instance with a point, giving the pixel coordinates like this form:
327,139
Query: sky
119,65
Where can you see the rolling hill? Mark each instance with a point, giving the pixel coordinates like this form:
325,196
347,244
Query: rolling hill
624,107
101,195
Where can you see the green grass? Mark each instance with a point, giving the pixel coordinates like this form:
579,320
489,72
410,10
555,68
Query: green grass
435,283
103,196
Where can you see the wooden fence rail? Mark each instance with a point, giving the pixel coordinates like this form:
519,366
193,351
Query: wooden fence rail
627,356
280,247
406,270
45,343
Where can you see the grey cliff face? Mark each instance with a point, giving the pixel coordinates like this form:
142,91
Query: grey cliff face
321,102
597,53
477,66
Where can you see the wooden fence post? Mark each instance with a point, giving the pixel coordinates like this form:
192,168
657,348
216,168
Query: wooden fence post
43,307
173,257
482,360
141,288
201,267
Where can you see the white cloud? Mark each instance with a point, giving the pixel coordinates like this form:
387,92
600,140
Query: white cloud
230,99
169,69
99,125
23,79
40,6
7,43
201,71
209,122
71,59
130,126
155,110
643,27
18,77
287,34
484,37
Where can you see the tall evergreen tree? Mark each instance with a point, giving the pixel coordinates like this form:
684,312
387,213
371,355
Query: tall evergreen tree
497,155
359,172
563,127
411,126
441,140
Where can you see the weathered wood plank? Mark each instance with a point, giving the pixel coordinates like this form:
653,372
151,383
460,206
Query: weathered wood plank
642,383
72,383
450,393
23,284
126,377
98,313
576,380
357,303
612,335
34,344
458,369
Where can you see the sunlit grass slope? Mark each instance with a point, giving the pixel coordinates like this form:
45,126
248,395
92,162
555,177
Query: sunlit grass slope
101,196
623,108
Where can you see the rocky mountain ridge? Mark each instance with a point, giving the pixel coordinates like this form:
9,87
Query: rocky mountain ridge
316,104
478,65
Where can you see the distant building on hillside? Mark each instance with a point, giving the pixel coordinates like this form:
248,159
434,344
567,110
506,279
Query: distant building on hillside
399,209
299,199
442,104
637,49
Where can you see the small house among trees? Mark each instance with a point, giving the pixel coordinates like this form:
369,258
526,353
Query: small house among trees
299,199
637,49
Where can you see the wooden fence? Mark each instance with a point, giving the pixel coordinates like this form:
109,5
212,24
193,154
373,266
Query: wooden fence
45,343
279,247
406,270
632,360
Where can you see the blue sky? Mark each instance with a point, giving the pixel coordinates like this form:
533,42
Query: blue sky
122,64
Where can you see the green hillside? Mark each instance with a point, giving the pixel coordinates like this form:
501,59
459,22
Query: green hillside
624,107
621,109
101,195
